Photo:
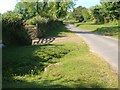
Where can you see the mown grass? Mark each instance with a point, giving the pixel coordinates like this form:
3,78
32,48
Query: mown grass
29,59
66,64
24,67
59,32
109,29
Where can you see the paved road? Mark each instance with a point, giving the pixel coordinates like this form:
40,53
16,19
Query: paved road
103,46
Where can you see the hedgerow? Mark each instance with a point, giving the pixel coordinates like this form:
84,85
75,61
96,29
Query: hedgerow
13,30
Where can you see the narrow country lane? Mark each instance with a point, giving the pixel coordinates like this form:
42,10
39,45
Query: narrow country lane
102,45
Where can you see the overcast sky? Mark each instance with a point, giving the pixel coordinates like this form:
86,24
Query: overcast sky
7,5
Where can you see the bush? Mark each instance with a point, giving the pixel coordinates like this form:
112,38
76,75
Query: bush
108,31
44,24
35,20
13,30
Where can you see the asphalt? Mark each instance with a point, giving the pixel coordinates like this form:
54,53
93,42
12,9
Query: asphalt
103,46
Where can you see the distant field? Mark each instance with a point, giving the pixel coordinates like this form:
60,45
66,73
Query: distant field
65,63
110,29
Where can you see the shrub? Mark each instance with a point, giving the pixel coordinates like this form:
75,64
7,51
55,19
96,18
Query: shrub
35,20
13,30
44,25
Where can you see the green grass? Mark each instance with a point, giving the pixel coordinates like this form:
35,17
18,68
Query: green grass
78,68
22,60
108,29
59,65
58,32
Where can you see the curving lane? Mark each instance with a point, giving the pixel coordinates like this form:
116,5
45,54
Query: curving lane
104,46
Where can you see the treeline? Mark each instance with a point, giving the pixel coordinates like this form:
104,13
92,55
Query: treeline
45,15
107,12
52,10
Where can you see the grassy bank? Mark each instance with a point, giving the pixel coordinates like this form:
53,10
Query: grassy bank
65,63
109,29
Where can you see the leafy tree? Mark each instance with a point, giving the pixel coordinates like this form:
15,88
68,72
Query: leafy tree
106,12
25,10
98,14
77,13
85,14
45,9
81,14
111,9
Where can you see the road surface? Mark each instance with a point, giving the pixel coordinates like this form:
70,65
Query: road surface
104,46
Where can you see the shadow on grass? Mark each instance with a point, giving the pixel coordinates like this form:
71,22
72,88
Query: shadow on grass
46,85
26,60
58,32
107,31
20,61
30,60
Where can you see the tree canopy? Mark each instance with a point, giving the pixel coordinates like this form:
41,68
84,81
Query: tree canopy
55,10
81,14
106,12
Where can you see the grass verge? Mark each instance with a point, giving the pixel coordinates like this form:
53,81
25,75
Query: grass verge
111,30
66,63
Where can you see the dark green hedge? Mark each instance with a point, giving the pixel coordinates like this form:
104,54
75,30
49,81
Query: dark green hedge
13,31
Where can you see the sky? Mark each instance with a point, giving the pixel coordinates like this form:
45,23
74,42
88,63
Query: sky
87,3
7,5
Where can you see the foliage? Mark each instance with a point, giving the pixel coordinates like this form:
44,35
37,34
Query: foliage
69,16
81,14
13,30
98,14
45,9
112,10
106,12
49,26
44,25
43,14
85,14
77,14
35,20
25,10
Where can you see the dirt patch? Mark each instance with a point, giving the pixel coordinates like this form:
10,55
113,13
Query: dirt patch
72,38
51,66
